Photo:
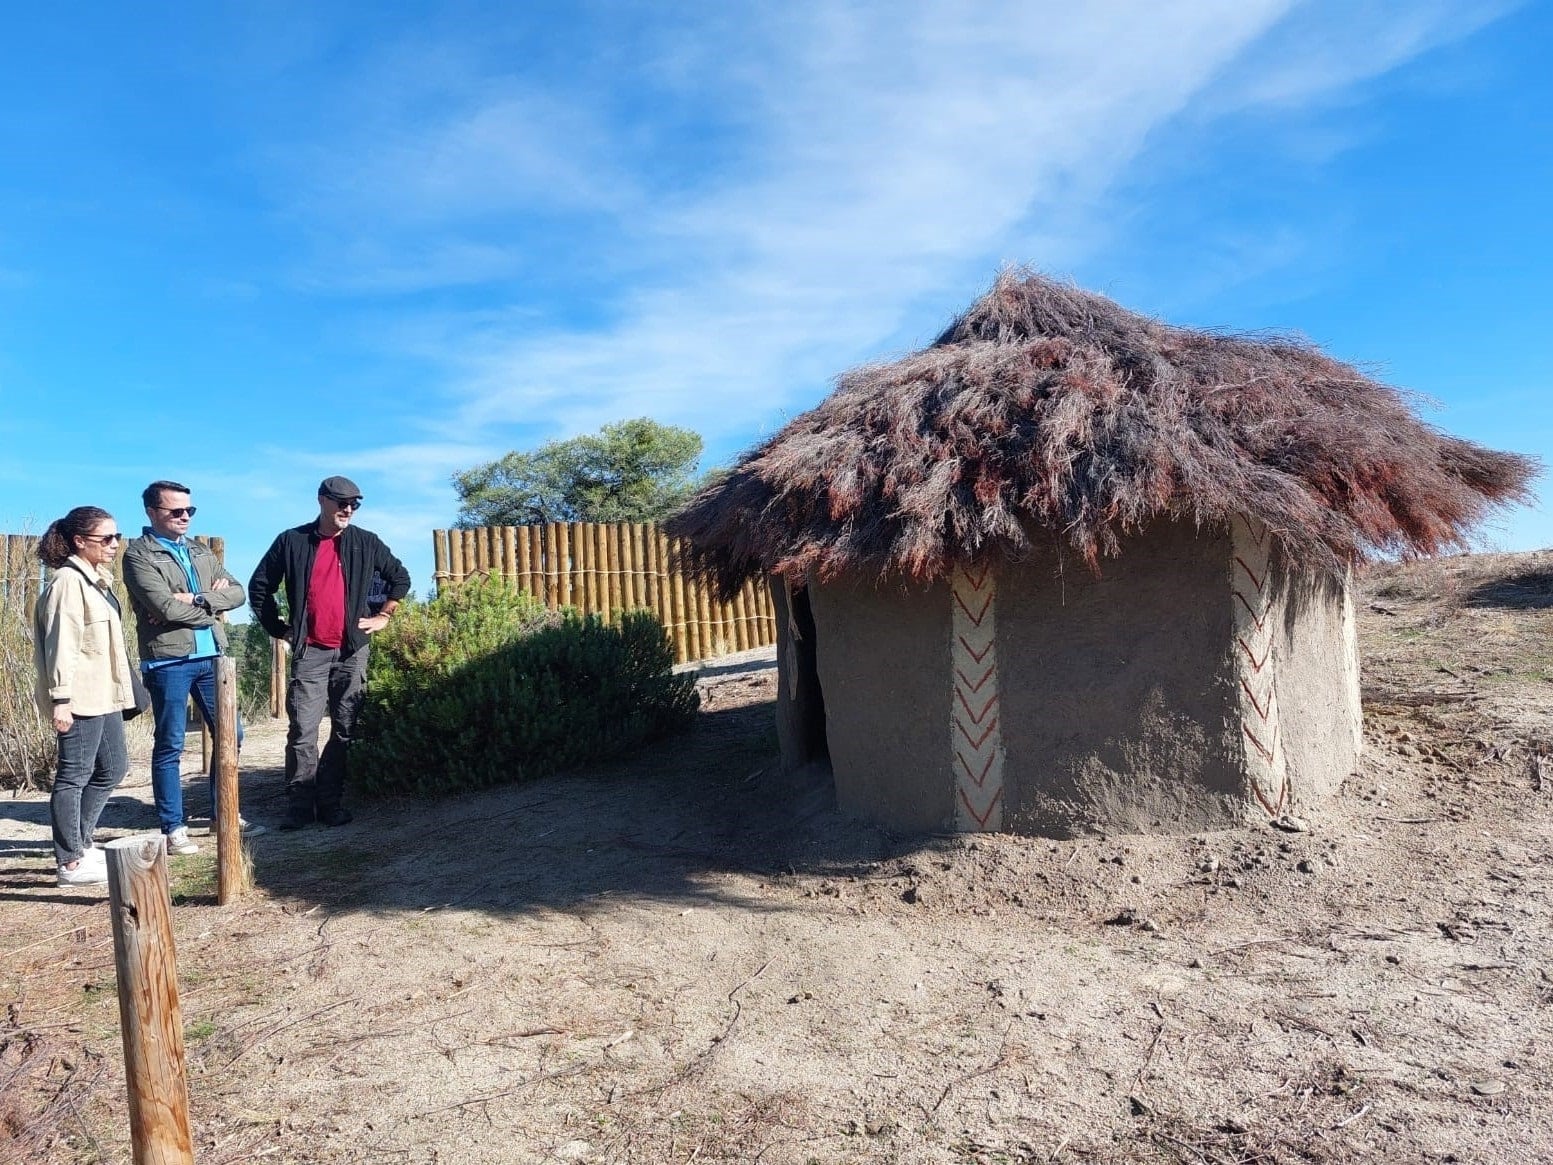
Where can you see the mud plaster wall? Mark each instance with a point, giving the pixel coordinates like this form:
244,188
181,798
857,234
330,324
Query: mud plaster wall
1317,672
884,668
1120,708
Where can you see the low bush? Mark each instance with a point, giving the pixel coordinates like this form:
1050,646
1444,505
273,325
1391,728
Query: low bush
27,740
482,686
253,650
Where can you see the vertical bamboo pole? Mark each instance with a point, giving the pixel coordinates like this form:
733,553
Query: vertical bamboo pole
581,564
619,548
552,567
660,554
567,563
646,585
534,535
701,628
650,567
598,589
623,563
630,597
601,569
455,556
608,563
232,868
509,556
521,564
717,616
525,560
439,555
682,643
741,630
150,1018
765,615
493,549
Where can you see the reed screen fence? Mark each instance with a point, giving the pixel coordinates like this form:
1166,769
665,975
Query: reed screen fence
604,568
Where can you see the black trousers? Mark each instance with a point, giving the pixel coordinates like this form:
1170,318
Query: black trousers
321,680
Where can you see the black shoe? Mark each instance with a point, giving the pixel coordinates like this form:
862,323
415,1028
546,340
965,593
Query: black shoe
335,816
296,819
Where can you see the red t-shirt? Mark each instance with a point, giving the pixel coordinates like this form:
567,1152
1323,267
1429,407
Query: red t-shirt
326,596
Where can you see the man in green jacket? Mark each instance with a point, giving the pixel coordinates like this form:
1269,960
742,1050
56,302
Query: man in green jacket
178,588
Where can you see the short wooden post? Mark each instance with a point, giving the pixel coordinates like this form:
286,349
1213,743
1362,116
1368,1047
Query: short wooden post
206,744
149,1015
231,862
277,678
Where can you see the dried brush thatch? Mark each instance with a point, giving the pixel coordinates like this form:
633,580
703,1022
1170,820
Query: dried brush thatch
1046,408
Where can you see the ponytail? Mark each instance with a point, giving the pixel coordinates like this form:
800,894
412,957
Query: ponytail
58,541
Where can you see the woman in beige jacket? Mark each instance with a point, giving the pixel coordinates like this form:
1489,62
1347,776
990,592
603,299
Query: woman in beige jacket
83,683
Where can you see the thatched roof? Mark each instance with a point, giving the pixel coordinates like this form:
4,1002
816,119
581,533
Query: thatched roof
1046,412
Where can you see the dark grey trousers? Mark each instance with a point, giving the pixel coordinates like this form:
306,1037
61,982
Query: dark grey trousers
92,762
321,680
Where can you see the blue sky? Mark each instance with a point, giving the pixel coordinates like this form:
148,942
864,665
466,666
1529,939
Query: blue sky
247,246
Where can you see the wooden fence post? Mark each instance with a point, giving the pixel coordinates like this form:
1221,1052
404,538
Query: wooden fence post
232,869
278,667
149,1015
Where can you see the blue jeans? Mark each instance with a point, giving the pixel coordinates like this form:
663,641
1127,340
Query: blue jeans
171,686
92,761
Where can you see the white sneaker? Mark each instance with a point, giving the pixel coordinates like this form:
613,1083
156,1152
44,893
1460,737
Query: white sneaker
85,874
251,828
95,855
178,842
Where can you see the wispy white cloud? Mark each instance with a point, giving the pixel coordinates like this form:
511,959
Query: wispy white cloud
878,154
1325,47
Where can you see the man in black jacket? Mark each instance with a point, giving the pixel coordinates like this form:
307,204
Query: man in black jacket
334,573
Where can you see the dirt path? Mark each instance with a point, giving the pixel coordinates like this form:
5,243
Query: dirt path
683,958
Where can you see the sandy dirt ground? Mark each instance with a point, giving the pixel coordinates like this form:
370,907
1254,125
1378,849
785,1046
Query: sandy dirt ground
685,957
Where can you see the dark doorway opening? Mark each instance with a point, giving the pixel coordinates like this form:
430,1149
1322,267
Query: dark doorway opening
801,702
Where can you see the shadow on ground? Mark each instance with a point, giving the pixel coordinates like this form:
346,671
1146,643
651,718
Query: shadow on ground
653,825
1525,591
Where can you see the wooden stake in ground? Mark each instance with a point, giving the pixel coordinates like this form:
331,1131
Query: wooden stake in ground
231,861
149,1014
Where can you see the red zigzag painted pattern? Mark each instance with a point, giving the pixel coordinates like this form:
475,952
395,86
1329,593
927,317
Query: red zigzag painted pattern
1255,665
975,736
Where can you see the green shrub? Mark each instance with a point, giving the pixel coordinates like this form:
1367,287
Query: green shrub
482,686
253,650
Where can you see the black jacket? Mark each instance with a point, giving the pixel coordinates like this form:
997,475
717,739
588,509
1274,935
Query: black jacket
289,561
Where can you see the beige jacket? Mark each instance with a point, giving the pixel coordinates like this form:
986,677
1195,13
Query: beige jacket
78,644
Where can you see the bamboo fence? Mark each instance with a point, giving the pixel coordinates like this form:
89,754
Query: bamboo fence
605,568
23,576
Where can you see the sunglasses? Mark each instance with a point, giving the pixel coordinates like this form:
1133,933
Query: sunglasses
179,511
345,503
103,539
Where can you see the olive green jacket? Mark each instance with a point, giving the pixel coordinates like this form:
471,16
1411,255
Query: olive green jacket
165,626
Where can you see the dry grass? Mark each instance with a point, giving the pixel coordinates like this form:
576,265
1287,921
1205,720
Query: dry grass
27,747
1049,412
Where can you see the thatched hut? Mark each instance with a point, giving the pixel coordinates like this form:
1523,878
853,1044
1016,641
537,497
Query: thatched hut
1073,570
